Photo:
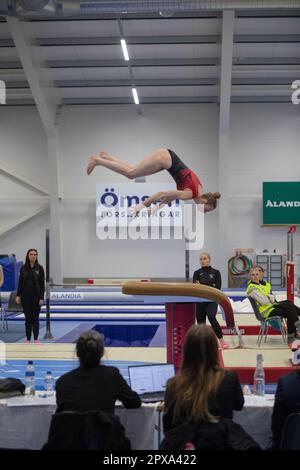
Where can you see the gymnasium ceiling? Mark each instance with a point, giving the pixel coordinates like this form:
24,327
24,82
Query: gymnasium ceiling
174,54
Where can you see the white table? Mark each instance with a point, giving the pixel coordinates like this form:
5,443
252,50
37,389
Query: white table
24,422
255,418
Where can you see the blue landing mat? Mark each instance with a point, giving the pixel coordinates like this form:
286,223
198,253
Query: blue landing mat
117,334
16,368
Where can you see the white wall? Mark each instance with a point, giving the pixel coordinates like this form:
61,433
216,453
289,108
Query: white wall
264,146
120,130
23,152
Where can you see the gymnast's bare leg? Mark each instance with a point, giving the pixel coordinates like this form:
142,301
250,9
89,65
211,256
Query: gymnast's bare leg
157,161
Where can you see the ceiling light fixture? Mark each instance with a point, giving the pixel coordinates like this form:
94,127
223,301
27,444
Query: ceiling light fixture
135,96
124,49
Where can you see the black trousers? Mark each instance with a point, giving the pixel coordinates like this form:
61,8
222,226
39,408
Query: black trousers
209,310
31,309
288,304
288,310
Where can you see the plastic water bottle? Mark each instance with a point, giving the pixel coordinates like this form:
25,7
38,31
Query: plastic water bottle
49,383
259,377
30,379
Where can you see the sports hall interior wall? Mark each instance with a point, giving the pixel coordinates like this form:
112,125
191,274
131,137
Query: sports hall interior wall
264,146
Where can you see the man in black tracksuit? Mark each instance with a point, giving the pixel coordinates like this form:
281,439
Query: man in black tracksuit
209,277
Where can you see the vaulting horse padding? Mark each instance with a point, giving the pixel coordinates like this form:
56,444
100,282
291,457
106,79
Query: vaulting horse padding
180,300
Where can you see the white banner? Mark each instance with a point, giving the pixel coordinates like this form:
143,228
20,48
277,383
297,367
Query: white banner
116,218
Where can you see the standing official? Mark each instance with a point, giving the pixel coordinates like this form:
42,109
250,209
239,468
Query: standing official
30,293
209,276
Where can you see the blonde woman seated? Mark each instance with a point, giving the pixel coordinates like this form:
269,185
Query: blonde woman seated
202,390
268,307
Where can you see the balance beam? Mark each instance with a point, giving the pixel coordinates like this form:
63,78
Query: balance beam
180,315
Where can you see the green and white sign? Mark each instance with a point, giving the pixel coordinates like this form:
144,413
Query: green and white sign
281,203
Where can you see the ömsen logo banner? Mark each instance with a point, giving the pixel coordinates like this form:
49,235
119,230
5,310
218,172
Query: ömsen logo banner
117,219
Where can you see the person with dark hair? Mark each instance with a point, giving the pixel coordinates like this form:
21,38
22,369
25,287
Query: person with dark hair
187,182
202,390
93,386
30,293
287,401
209,276
1,276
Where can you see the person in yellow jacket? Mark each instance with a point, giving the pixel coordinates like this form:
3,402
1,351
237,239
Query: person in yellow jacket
268,307
266,284
267,288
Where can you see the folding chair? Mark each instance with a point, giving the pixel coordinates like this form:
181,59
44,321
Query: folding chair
2,316
12,309
276,322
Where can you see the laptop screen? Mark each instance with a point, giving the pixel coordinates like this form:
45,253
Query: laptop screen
150,378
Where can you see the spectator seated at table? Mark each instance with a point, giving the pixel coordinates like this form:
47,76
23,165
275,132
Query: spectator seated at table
91,430
202,392
93,386
287,401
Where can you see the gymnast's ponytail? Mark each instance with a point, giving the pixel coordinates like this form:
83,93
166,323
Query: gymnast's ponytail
211,198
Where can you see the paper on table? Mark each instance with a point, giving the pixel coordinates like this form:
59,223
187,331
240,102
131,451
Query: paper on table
256,400
31,401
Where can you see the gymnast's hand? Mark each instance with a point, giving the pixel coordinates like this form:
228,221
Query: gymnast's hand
18,300
93,161
156,208
136,209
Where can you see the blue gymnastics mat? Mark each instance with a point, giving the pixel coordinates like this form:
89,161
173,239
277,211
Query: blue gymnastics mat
16,368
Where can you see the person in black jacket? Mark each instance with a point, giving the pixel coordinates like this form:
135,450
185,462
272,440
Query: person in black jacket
93,386
30,293
209,277
287,401
201,391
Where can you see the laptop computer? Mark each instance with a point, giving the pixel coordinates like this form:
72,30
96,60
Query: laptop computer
150,381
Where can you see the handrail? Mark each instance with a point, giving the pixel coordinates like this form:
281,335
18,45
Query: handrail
185,290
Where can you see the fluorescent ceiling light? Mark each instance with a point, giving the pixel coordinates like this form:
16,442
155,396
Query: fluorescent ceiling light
124,49
135,96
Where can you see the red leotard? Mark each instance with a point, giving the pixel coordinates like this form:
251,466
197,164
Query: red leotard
187,179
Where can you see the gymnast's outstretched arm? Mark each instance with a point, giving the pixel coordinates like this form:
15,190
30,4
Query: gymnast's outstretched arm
164,197
167,196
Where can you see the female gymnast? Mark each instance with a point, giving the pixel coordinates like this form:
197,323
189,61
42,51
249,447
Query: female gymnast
187,182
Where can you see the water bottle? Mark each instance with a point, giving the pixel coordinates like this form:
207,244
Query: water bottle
259,377
49,383
30,379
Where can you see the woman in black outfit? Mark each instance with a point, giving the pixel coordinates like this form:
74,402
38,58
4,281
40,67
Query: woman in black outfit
30,293
93,386
202,390
209,276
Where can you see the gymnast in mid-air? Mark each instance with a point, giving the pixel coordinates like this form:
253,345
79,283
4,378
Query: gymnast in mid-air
187,182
